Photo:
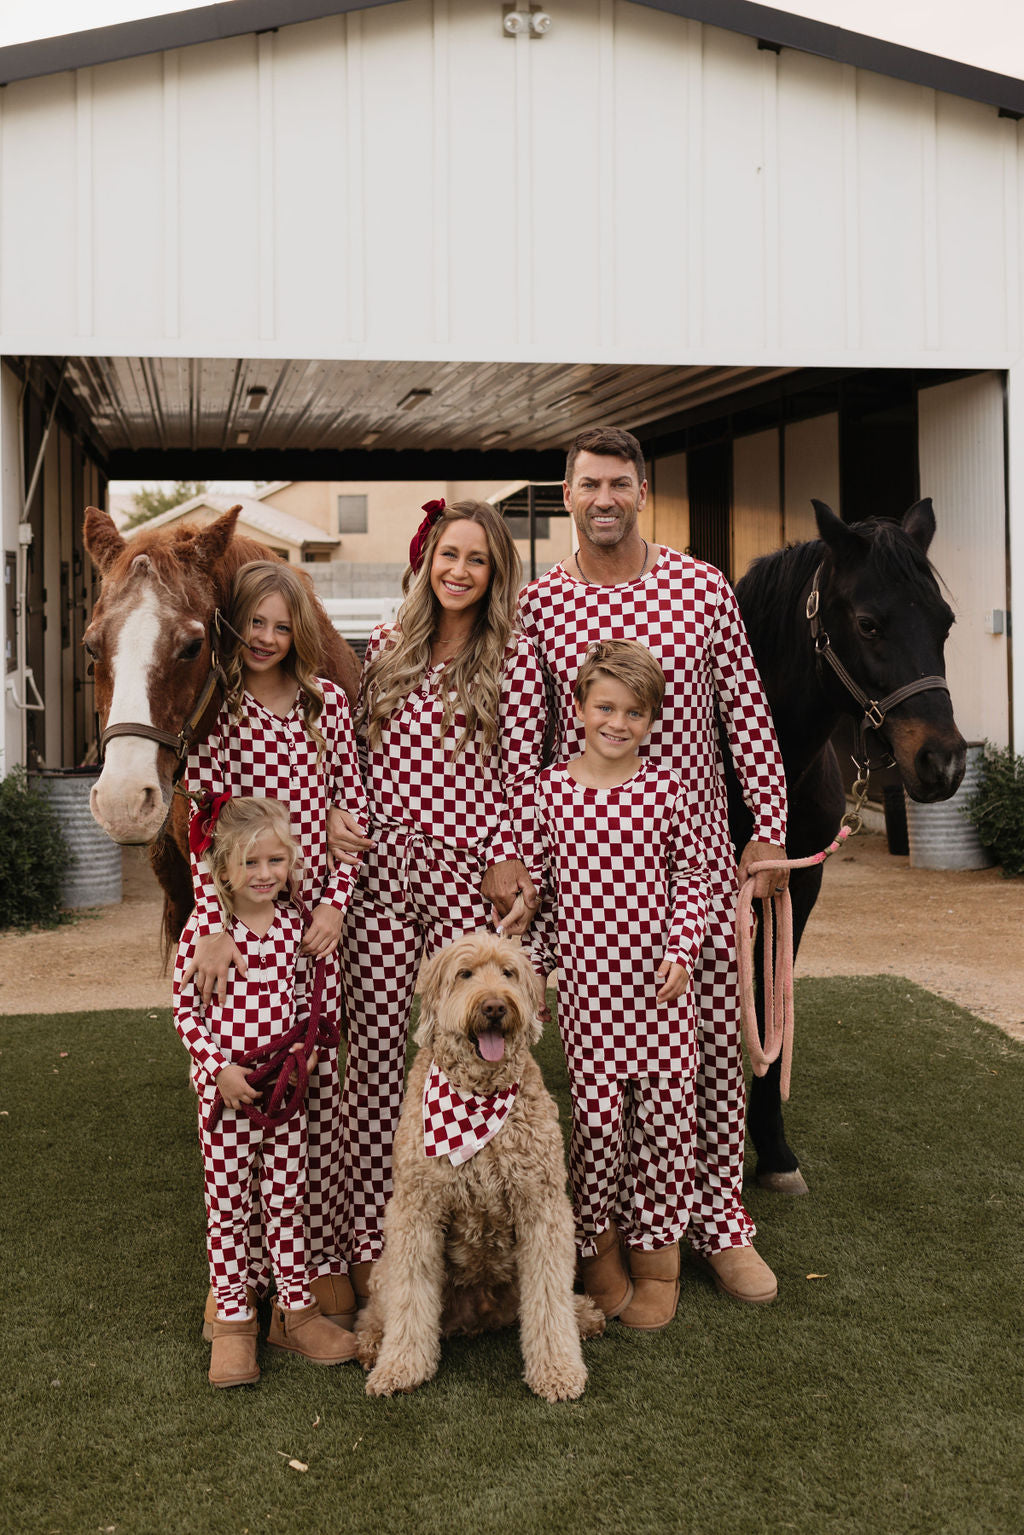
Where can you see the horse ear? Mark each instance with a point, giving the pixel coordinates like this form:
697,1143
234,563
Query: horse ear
834,531
919,523
212,541
102,540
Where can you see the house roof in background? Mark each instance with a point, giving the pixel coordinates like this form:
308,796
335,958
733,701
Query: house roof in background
267,519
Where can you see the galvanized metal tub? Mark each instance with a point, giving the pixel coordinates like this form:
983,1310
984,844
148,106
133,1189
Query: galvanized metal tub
940,835
93,877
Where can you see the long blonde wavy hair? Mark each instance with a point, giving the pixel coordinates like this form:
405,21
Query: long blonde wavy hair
253,583
470,683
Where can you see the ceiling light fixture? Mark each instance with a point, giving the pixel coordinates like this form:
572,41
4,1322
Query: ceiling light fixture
494,439
256,397
413,398
369,440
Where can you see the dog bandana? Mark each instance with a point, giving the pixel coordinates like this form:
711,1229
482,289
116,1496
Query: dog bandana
457,1124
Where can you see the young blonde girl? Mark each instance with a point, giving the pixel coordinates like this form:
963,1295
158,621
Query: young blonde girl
285,731
252,857
450,717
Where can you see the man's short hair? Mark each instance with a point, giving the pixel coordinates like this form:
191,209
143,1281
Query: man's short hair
628,662
609,441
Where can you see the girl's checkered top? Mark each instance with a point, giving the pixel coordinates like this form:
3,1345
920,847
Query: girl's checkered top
258,1007
263,753
625,887
412,781
686,614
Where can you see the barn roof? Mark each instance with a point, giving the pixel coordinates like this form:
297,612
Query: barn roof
773,28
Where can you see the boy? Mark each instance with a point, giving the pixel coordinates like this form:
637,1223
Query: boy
606,835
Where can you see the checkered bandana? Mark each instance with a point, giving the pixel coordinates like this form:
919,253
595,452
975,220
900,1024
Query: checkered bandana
457,1124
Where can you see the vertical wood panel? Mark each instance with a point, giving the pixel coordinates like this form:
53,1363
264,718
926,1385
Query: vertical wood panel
670,518
812,469
756,512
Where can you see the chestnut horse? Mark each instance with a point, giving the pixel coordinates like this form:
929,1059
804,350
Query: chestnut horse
151,642
866,596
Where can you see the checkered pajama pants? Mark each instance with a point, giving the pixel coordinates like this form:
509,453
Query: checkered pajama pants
631,1158
238,1157
414,896
717,1217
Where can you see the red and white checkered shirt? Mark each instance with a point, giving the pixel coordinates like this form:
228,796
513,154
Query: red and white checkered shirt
411,780
259,1006
625,887
686,614
458,1124
267,754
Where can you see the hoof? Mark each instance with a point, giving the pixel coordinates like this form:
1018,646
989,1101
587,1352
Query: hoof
783,1183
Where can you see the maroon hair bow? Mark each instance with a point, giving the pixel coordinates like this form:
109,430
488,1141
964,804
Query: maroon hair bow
204,822
433,510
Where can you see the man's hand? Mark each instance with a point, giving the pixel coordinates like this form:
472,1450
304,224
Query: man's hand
345,840
769,881
322,935
214,956
676,981
503,887
234,1087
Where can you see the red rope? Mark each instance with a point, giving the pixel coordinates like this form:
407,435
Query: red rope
777,911
277,1061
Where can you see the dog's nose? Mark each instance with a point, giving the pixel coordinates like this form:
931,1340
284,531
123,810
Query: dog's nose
493,1009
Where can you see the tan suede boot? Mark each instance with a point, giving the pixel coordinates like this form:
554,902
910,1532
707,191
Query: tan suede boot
360,1275
308,1333
742,1273
233,1355
605,1278
336,1298
210,1310
655,1288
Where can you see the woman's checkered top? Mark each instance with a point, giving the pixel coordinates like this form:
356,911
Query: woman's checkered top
412,781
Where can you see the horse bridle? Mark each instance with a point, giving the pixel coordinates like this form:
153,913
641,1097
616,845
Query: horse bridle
875,709
180,743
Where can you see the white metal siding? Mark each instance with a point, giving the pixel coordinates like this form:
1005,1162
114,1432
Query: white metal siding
961,455
405,182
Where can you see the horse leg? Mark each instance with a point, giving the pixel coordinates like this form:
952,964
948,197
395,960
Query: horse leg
777,1166
172,870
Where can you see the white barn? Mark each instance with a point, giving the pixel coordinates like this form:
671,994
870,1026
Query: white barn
292,239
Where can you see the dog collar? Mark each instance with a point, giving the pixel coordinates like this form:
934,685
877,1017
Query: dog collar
457,1124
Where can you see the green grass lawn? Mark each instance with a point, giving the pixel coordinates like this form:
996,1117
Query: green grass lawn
886,1394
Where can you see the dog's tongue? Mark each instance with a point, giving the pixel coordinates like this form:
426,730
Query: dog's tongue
492,1044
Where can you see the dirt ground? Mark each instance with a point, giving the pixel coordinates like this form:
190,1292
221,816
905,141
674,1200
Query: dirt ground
958,934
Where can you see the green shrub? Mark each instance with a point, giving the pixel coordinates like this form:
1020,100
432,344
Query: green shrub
997,809
33,855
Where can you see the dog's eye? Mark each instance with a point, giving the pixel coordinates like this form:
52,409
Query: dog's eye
465,975
508,973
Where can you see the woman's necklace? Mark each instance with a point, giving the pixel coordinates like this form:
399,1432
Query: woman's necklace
639,573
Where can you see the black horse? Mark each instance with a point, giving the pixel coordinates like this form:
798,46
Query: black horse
881,613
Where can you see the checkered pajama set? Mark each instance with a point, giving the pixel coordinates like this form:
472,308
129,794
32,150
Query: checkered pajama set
625,887
237,1154
438,825
684,611
266,754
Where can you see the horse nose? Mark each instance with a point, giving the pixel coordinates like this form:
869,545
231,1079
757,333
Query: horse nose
493,1009
939,770
132,815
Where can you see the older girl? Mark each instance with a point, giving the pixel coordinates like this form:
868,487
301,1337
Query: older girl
450,718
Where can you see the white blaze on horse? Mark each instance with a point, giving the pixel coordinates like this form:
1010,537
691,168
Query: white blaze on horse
152,639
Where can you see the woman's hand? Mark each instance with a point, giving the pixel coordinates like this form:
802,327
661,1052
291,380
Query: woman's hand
322,935
345,840
234,1088
213,958
676,981
512,896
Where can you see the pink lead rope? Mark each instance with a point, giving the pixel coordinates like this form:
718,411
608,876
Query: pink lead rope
778,989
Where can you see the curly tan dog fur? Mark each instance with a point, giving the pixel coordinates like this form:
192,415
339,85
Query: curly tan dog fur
471,1248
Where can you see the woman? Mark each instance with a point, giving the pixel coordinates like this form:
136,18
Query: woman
450,717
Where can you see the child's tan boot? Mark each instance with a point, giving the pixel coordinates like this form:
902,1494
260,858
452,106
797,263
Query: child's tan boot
605,1277
655,1288
308,1333
336,1298
233,1355
210,1310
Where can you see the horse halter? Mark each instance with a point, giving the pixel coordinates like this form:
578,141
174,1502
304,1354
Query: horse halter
180,743
875,710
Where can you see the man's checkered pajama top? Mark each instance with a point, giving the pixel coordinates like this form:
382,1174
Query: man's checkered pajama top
267,754
684,611
625,885
258,1007
438,826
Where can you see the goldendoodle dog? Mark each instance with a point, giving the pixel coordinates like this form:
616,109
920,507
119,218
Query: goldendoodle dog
474,1238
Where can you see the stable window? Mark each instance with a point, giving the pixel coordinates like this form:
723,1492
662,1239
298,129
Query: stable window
352,514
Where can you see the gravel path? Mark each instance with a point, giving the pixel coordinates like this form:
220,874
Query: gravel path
958,934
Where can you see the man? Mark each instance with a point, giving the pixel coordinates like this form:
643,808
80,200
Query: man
618,586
